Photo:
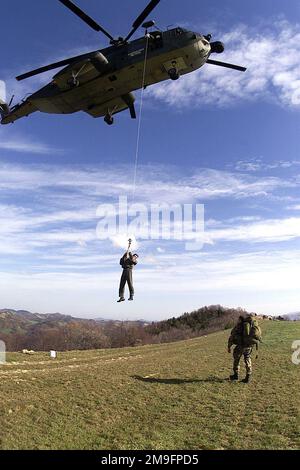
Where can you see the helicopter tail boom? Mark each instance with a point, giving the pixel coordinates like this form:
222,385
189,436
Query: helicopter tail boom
9,116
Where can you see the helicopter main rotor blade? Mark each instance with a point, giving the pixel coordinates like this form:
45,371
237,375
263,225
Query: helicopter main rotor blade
139,21
53,66
228,66
84,17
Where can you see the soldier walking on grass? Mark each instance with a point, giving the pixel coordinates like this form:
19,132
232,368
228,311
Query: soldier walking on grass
245,335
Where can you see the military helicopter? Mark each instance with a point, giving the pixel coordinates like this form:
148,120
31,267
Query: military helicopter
101,82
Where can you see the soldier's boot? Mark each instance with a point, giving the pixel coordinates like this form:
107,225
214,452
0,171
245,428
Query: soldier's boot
247,379
234,376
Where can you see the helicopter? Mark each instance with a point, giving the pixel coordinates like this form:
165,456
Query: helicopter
101,83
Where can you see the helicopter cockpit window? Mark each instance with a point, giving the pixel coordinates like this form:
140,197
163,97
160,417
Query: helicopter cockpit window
180,31
156,40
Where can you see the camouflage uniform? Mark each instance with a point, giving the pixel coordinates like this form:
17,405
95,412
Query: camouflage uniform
238,352
241,349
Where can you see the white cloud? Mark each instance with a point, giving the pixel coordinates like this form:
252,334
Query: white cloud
199,278
64,214
271,231
24,146
273,61
11,141
295,207
48,238
164,184
257,164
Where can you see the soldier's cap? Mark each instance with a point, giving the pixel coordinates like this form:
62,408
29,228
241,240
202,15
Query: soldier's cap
135,254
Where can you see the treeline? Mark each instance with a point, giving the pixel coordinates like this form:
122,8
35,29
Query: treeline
89,334
77,335
200,322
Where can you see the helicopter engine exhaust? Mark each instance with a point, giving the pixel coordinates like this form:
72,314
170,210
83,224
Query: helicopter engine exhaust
100,62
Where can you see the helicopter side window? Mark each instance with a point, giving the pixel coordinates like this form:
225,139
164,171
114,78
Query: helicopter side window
156,40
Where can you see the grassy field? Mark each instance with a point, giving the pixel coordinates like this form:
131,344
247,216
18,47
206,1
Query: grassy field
171,396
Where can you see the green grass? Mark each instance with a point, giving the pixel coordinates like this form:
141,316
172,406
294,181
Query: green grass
170,396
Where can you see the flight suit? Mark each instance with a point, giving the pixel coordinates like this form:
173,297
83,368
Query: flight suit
127,265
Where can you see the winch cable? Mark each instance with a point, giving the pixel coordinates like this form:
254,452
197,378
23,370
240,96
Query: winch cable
140,119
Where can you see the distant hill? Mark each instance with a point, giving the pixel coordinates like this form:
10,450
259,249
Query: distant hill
292,316
197,323
21,329
22,320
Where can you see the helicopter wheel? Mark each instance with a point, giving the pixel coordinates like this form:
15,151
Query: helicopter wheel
174,74
109,119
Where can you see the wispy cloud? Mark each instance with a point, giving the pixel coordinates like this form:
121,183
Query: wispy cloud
199,279
294,207
164,184
257,164
23,145
12,141
46,210
272,74
268,230
48,237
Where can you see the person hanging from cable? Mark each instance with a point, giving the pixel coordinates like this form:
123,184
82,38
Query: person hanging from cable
128,261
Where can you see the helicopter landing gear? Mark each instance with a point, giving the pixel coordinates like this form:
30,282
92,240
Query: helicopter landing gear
109,119
173,72
73,82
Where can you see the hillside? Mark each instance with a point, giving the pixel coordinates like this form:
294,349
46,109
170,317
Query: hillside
292,316
25,330
201,321
21,329
165,396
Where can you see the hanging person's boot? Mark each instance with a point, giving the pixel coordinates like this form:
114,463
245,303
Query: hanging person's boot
234,377
131,297
121,299
247,379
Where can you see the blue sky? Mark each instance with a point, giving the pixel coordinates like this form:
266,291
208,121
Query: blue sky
227,140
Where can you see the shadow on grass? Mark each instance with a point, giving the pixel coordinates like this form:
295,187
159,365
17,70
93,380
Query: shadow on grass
179,381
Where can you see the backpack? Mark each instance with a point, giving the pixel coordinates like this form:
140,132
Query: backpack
247,333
